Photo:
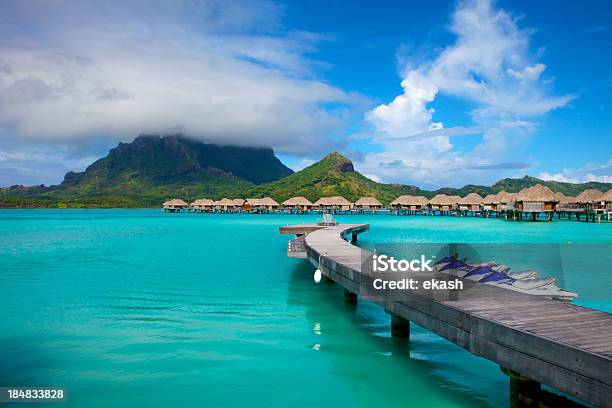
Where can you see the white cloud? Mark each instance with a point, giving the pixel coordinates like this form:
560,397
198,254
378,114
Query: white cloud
601,172
489,65
221,72
407,114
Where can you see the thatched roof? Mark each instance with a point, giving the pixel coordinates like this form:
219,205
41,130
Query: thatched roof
505,197
336,200
607,196
175,202
410,200
297,201
470,199
224,202
443,199
588,196
268,202
202,202
262,202
453,199
537,194
239,202
371,201
491,199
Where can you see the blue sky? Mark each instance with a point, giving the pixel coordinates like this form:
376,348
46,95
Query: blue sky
427,93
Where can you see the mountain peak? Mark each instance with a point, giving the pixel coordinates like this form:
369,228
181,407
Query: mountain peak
171,159
338,162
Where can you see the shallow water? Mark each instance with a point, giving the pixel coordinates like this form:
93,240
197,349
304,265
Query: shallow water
136,308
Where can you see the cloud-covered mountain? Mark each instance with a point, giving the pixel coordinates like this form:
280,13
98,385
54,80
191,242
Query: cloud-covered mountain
151,169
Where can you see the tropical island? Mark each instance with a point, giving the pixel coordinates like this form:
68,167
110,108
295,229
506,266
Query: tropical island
153,169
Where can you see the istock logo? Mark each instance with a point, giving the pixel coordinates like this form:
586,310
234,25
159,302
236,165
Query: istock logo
384,263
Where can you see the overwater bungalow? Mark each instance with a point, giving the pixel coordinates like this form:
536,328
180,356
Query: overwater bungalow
442,203
400,203
297,204
332,204
470,204
587,200
506,202
224,205
175,205
238,203
366,204
489,204
202,205
567,206
252,205
535,200
453,201
589,197
261,205
603,205
269,204
407,204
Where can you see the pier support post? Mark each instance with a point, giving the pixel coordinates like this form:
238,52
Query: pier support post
524,392
353,238
350,297
400,327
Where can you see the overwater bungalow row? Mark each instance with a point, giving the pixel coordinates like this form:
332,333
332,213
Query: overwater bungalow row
533,203
584,205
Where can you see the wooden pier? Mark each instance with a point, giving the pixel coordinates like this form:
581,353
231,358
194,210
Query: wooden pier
534,340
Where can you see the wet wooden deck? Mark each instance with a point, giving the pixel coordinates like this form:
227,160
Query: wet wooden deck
564,346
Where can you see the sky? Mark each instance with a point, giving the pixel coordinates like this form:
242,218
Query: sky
430,93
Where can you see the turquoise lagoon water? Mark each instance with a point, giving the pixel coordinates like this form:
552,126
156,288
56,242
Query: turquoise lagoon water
136,308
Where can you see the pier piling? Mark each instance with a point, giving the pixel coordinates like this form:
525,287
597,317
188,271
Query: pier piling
400,327
350,297
524,392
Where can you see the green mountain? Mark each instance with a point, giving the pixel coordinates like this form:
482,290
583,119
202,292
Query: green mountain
151,169
333,175
170,159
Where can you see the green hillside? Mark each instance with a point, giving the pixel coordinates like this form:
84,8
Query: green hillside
333,175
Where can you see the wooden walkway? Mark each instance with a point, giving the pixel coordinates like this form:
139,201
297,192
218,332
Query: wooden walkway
534,340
